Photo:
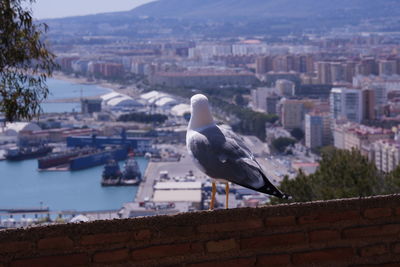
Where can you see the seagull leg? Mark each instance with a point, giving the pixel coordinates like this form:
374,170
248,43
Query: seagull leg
226,195
214,190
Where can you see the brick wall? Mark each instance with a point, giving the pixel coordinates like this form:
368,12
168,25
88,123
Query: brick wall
352,232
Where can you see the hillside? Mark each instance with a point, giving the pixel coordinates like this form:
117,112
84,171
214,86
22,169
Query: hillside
223,9
230,18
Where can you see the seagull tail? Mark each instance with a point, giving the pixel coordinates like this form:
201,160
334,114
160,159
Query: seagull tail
270,189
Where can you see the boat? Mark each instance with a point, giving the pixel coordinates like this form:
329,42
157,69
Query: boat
22,153
98,157
61,158
111,174
131,174
82,158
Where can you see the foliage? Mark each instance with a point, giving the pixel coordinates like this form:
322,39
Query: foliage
238,99
248,121
143,117
281,143
25,62
341,174
297,133
392,183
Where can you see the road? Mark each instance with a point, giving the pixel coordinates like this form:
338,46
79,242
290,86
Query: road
174,169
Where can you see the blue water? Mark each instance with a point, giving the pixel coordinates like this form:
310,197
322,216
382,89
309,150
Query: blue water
62,89
23,186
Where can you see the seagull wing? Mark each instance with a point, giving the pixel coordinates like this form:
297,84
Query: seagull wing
222,154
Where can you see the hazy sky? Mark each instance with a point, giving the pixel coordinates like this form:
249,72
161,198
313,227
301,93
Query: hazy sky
64,8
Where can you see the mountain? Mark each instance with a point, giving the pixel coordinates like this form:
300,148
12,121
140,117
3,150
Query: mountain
231,18
224,9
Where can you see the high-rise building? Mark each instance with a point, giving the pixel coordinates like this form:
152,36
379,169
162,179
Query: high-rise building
368,98
317,130
285,87
367,66
313,130
264,64
292,114
259,97
306,64
350,71
324,72
337,71
387,67
271,104
346,104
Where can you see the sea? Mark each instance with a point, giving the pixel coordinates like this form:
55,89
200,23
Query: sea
23,186
60,89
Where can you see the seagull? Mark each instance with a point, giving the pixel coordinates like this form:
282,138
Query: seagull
222,155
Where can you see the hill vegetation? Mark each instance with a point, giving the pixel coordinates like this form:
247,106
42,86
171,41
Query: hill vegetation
341,174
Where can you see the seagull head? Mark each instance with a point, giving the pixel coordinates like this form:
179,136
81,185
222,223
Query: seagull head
200,112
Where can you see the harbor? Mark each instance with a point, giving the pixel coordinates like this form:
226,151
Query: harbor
24,186
91,151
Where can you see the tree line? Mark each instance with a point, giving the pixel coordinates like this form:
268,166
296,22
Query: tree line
341,174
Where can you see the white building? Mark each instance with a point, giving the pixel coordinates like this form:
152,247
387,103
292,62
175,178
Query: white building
346,104
14,128
386,155
259,97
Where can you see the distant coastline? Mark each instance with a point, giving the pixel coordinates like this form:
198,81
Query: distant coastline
130,90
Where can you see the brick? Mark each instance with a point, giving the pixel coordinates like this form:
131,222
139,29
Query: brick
273,260
230,226
61,242
165,251
99,239
326,255
280,221
396,248
371,231
377,213
247,262
11,247
111,256
329,217
374,250
178,231
60,260
142,234
393,264
323,235
221,245
272,241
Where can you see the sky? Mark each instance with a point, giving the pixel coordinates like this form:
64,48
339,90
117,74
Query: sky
43,9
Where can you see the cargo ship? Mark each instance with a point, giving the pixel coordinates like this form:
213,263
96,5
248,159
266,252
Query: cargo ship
61,158
84,158
99,157
131,174
22,153
111,174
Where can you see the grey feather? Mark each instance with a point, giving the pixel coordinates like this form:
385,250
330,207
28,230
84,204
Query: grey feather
224,155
